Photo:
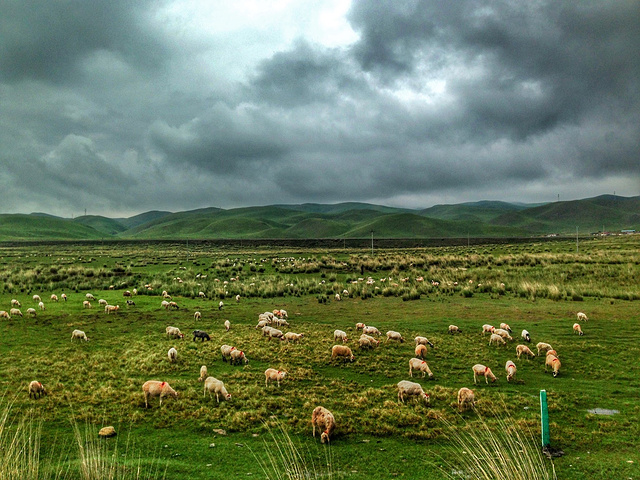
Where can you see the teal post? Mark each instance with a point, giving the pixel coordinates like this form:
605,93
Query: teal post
544,418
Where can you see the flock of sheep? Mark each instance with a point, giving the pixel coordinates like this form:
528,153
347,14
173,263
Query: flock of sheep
267,321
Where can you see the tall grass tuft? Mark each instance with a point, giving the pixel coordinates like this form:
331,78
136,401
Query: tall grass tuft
505,451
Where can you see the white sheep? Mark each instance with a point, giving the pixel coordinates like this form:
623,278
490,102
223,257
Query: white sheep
293,337
15,303
174,332
16,312
342,351
31,311
543,347
88,296
421,351
423,341
86,304
411,389
337,297
273,374
202,295
197,316
226,350
237,298
505,326
5,314
466,397
369,330
486,328
220,305
553,362
155,388
526,336
420,366
325,421
262,323
577,329
367,341
582,317
360,326
203,373
340,335
54,297
454,329
173,355
164,304
275,333
64,297
111,309
213,385
36,298
497,339
102,302
237,357
481,370
395,336
41,306
510,367
523,349
80,335
36,389
227,325
503,333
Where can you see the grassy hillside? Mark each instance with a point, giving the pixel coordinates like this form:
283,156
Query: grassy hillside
21,227
104,225
142,218
476,211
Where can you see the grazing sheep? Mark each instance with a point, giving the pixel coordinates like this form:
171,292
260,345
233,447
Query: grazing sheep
481,370
86,304
197,316
366,341
525,336
173,355
203,373
503,333
174,332
325,421
36,298
64,297
281,322
337,297
216,386
466,398
420,366
227,325
395,336
423,341
5,314
273,374
202,295
90,297
36,389
220,305
454,329
126,293
360,326
155,388
262,323
552,352
369,330
174,305
102,302
111,309
293,337
411,389
266,330
275,333
80,335
237,357
342,351
283,314
16,312
54,297
134,291
523,349
201,335
582,317
340,335
15,303
31,311
486,328
164,304
131,303
238,298
505,326
543,347
41,306
577,329
497,339
226,352
510,367
553,362
421,351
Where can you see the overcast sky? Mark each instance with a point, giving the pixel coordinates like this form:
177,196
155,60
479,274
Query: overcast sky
120,106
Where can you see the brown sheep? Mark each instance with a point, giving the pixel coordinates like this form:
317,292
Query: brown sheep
325,421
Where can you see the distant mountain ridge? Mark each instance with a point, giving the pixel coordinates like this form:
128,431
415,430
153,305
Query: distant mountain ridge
342,220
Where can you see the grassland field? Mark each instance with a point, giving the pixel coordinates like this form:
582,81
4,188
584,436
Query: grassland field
538,287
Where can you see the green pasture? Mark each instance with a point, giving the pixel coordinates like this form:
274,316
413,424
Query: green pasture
538,287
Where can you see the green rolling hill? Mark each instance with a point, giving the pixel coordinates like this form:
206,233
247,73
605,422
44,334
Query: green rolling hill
19,227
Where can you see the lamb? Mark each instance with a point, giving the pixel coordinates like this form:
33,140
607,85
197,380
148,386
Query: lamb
80,335
423,341
420,366
155,388
203,373
173,355
293,337
421,351
369,330
543,347
226,352
342,351
510,367
340,335
86,304
102,302
325,421
41,306
15,303
479,370
360,326
582,317
31,311
497,339
36,298
411,389
201,335
54,297
227,325
503,333
506,327
553,362
16,312
577,329
525,336
174,332
111,309
273,374
197,316
36,389
486,328
466,397
237,357
216,386
5,314
454,329
523,349
89,297
395,336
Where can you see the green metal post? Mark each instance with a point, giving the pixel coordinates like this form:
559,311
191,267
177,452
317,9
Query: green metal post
544,418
